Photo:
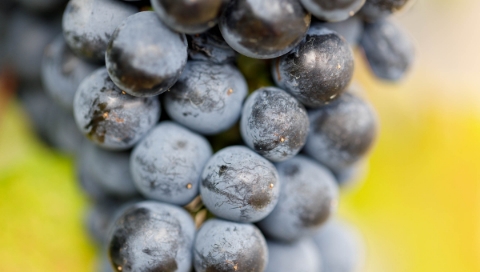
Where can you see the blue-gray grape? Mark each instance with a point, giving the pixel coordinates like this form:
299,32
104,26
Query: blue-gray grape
239,185
228,246
388,50
308,198
274,124
88,25
150,236
188,16
208,97
111,118
340,247
318,70
62,72
301,256
110,170
342,132
333,11
264,29
144,57
167,164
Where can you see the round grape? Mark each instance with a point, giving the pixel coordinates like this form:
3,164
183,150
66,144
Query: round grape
239,185
110,170
167,164
308,197
150,236
62,72
302,256
342,132
274,124
187,16
109,117
264,29
228,246
89,24
144,57
340,248
388,50
318,70
208,97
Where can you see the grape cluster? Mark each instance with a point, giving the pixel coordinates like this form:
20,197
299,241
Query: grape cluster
183,169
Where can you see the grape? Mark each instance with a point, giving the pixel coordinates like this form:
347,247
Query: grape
264,29
333,11
228,246
351,29
189,16
61,130
144,57
99,220
151,236
208,97
377,9
27,35
318,70
210,46
109,117
239,185
110,170
302,256
388,50
342,132
87,183
351,175
340,248
308,197
41,5
274,124
62,72
89,24
167,164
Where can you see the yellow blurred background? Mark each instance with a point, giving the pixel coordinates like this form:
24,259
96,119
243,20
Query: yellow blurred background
418,209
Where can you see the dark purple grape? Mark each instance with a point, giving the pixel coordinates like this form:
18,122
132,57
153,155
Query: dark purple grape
264,29
187,16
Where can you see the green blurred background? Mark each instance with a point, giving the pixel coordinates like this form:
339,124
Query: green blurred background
418,208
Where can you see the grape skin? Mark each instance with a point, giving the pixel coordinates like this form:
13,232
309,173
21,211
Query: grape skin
342,132
228,246
144,57
308,197
274,124
388,50
207,97
318,70
62,72
109,117
301,256
257,29
239,185
188,16
88,25
167,164
150,236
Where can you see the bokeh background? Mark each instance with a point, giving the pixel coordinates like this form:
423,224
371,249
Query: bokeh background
418,208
